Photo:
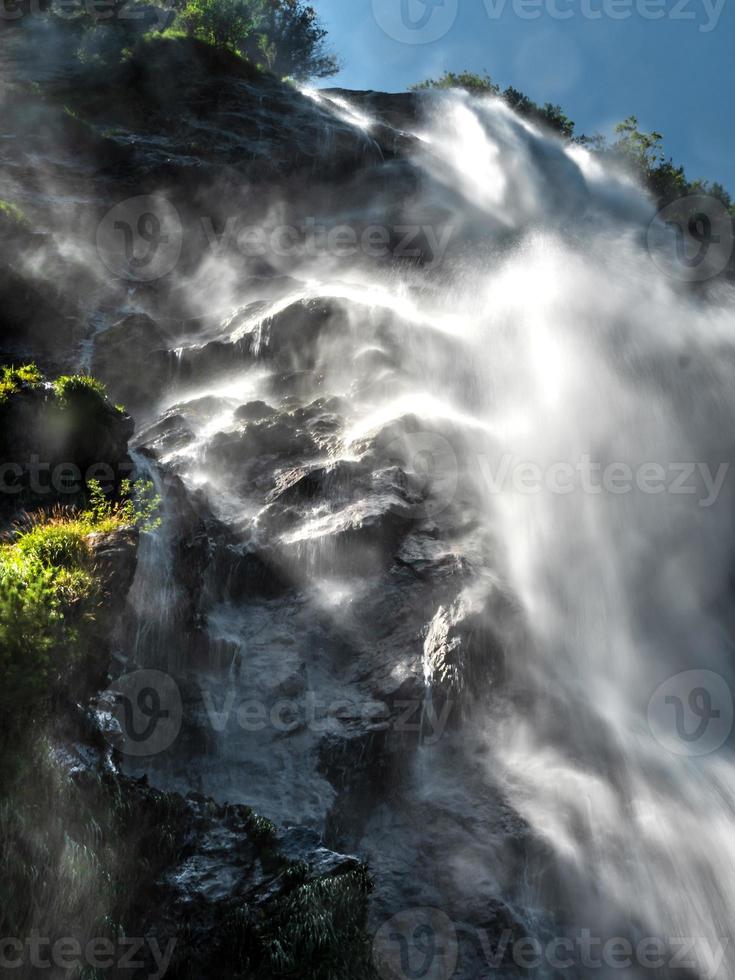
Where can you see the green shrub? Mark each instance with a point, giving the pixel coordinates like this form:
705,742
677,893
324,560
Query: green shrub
293,41
137,505
261,830
73,387
469,81
12,379
222,23
33,636
317,931
284,36
49,593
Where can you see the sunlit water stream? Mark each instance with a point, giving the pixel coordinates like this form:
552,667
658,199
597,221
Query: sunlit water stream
565,384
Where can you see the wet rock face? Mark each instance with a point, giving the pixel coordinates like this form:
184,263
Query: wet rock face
36,319
234,892
114,554
229,118
399,110
307,553
214,888
462,651
52,447
344,572
131,357
114,558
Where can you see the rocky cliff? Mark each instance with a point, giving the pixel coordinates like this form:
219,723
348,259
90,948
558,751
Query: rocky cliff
308,563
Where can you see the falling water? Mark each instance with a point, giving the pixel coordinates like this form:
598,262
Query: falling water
544,348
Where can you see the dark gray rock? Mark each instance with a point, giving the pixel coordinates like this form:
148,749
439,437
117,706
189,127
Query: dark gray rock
132,359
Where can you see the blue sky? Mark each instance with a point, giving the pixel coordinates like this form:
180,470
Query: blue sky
670,62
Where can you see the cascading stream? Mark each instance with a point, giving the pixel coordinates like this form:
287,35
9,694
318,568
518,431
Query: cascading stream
586,350
545,339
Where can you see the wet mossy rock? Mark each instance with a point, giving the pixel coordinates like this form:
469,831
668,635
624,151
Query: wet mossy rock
54,437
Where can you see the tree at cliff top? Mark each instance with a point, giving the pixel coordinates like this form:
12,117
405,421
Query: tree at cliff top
295,41
285,36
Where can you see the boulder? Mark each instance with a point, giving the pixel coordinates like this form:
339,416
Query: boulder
54,447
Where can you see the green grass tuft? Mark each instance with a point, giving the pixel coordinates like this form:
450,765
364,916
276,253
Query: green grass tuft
12,379
72,387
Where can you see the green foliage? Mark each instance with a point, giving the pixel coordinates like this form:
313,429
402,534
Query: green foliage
317,930
556,119
11,214
469,81
284,36
643,154
643,150
32,632
261,830
51,870
137,505
49,592
107,32
292,40
73,387
12,379
713,190
222,23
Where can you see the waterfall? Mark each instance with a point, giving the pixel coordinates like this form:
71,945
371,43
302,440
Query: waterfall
576,406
